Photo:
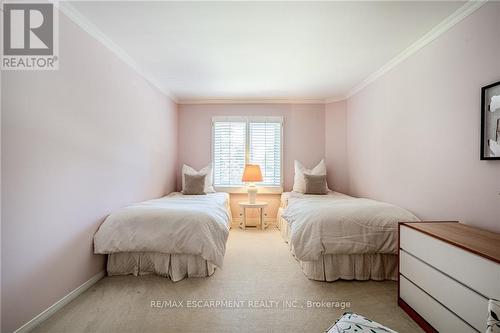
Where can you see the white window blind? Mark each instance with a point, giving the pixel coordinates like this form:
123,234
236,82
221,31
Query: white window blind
265,150
241,140
229,145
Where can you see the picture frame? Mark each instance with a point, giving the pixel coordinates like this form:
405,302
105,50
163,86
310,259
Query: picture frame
490,122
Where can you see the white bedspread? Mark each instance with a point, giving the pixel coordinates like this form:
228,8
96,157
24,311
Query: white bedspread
339,224
174,224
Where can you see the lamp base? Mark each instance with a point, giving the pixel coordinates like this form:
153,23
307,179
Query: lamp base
252,193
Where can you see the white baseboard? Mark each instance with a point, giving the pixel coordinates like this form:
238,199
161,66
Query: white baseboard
59,304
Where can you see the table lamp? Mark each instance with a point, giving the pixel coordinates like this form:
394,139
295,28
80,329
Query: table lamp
251,175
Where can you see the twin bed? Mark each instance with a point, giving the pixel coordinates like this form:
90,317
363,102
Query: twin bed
336,236
176,236
333,236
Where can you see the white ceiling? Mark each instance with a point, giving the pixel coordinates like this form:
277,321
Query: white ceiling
263,50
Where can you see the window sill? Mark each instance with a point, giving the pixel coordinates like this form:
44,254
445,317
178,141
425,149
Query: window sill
243,189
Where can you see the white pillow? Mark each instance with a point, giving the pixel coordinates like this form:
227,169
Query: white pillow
299,182
209,188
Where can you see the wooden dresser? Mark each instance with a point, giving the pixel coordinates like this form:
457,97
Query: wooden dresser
447,273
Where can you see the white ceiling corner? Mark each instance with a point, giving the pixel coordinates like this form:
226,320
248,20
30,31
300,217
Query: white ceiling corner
457,16
73,14
264,52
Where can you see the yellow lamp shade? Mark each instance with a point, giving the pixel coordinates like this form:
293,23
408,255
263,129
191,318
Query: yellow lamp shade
252,173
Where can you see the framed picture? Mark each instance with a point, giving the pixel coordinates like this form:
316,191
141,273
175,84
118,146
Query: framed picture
490,122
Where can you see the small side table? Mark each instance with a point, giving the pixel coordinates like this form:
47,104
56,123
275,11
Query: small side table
258,205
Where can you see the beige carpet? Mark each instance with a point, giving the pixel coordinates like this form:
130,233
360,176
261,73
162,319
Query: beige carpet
258,267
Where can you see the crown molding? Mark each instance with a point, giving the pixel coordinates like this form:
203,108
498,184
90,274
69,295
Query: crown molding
79,19
252,101
467,9
335,99
445,25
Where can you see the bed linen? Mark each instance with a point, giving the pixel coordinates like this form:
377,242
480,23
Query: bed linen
175,224
340,224
332,267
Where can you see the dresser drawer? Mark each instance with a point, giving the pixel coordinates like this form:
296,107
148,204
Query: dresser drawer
480,274
467,304
434,313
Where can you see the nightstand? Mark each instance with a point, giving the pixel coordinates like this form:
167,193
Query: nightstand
258,205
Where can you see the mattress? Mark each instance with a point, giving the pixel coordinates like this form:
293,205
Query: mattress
332,267
339,224
175,224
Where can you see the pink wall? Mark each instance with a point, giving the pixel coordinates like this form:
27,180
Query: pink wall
336,146
413,135
304,138
304,134
95,136
77,144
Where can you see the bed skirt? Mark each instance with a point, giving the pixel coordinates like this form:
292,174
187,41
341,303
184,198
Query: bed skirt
173,266
332,267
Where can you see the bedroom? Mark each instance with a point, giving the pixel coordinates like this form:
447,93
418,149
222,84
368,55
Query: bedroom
387,111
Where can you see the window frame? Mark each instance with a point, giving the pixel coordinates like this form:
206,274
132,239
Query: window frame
277,189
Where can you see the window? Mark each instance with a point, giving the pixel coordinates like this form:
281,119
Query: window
265,150
241,140
229,148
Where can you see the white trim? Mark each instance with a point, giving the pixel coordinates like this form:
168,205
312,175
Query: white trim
335,99
73,14
457,16
273,119
44,315
467,9
267,189
251,101
243,189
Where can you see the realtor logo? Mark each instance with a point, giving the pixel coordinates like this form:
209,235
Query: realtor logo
29,36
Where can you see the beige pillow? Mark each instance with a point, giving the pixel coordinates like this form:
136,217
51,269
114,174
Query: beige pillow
299,184
209,188
315,184
194,184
